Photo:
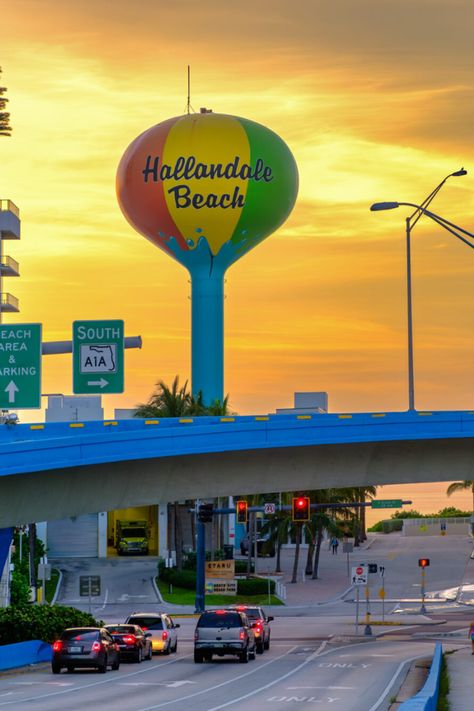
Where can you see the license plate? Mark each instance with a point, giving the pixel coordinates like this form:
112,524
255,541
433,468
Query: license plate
74,650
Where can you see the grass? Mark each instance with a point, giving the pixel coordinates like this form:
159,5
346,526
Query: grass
183,596
443,703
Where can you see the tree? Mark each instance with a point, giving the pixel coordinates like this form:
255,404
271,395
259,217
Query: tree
461,486
5,128
178,401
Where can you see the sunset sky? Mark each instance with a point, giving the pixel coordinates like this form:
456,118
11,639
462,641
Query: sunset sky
375,100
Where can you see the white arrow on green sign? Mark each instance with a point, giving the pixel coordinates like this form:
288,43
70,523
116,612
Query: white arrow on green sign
97,356
20,366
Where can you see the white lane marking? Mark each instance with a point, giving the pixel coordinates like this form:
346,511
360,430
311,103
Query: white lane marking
110,680
392,681
170,684
218,686
293,688
9,693
106,597
382,655
272,683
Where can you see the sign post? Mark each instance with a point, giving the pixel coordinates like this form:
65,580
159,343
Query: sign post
20,366
97,356
89,586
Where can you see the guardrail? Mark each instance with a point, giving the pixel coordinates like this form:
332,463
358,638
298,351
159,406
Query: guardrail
22,654
427,698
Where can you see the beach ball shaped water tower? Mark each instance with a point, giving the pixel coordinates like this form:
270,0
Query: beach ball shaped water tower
206,188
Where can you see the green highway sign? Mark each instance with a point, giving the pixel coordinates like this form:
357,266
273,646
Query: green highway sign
20,366
97,356
386,503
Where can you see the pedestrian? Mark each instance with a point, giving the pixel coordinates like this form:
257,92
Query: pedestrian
334,545
471,635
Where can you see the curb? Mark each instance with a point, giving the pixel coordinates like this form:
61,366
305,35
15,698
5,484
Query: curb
58,587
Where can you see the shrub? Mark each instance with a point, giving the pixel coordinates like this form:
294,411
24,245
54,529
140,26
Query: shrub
187,579
44,622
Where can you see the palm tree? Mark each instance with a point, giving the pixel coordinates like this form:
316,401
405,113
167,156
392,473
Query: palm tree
5,128
178,401
461,486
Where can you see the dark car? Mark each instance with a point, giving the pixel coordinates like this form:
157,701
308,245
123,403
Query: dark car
133,642
265,547
223,632
82,647
260,624
162,630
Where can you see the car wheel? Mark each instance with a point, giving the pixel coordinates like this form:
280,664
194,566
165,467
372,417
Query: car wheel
150,654
244,656
167,649
138,656
102,668
266,645
208,657
260,647
198,657
175,648
56,668
253,654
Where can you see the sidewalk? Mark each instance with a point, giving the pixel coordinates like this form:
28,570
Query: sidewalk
333,580
461,679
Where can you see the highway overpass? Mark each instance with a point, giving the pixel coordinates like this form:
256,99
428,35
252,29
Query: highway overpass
49,471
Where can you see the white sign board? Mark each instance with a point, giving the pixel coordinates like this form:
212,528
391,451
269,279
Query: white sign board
221,587
359,574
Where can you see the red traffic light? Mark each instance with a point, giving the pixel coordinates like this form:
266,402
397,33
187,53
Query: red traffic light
424,562
301,508
242,509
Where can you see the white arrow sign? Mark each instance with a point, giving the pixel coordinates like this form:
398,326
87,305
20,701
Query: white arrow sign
11,389
101,383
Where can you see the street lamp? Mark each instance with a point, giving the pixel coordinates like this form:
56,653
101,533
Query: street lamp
410,222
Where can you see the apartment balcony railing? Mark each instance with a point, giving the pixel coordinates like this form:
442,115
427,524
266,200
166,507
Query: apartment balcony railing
8,302
9,266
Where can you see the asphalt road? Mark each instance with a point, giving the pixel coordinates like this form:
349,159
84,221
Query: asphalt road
291,675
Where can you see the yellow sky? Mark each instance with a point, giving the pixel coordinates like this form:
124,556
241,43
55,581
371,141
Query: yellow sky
375,100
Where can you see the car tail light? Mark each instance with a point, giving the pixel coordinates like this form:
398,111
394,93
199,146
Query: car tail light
130,639
242,634
57,646
258,626
164,635
144,628
96,646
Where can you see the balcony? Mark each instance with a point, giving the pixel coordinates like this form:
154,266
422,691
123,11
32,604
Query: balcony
8,302
9,267
9,220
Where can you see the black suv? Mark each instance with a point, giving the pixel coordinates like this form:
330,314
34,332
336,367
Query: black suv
224,632
260,625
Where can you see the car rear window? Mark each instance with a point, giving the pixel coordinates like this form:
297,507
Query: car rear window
253,614
220,619
80,634
147,623
133,533
120,629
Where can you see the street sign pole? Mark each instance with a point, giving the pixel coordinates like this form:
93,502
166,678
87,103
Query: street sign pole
357,610
368,629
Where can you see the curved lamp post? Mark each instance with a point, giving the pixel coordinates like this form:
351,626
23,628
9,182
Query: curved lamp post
410,223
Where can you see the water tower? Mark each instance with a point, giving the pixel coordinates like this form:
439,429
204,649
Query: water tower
207,188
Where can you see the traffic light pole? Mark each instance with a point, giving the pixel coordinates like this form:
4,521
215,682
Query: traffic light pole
200,566
423,608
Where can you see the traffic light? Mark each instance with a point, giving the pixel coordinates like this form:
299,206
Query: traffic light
242,511
301,508
424,562
205,513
